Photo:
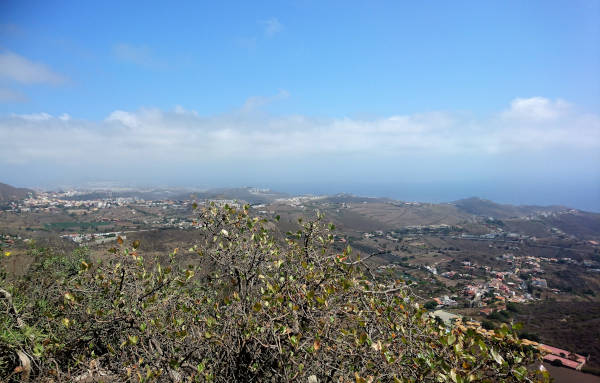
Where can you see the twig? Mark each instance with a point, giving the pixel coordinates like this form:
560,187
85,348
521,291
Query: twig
12,309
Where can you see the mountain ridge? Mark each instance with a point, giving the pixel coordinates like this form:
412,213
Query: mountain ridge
11,193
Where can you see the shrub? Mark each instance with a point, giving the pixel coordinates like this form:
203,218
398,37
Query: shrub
488,324
591,370
557,363
254,309
531,336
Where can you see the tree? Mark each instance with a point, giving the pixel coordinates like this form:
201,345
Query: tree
256,308
511,306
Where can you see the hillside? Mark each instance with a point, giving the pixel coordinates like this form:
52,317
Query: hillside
483,207
10,193
473,215
294,309
247,194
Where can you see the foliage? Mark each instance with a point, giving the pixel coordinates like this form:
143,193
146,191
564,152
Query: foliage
255,309
513,307
531,336
591,370
501,315
488,324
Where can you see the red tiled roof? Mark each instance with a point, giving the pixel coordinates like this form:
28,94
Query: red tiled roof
567,358
565,362
558,351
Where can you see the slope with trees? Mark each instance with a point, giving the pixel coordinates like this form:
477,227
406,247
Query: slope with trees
237,306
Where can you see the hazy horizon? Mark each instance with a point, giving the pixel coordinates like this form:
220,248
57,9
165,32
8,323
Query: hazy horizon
498,100
427,193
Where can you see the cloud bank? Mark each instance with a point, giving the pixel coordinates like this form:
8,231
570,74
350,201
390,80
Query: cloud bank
535,150
534,125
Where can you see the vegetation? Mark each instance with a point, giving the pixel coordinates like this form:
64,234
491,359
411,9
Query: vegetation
573,325
253,309
75,224
531,336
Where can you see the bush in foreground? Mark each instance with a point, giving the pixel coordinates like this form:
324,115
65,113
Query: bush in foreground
255,310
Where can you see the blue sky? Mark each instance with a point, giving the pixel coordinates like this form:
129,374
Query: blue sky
444,100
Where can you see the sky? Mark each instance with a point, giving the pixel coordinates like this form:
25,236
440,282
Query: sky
432,101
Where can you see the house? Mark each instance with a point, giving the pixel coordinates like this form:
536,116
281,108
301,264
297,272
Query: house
448,302
470,290
448,274
445,316
495,283
562,357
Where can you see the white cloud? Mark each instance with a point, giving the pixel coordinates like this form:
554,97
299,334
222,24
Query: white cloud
9,95
164,138
271,26
20,69
125,118
537,109
33,116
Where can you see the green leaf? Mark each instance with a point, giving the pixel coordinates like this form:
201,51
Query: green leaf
389,356
517,326
38,350
453,375
520,372
451,339
497,357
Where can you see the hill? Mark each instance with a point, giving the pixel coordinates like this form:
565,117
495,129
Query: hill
246,194
483,207
10,193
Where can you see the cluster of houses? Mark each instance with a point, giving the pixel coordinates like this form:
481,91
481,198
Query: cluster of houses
95,237
498,287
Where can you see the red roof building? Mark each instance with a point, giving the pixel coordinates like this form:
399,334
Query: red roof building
566,358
